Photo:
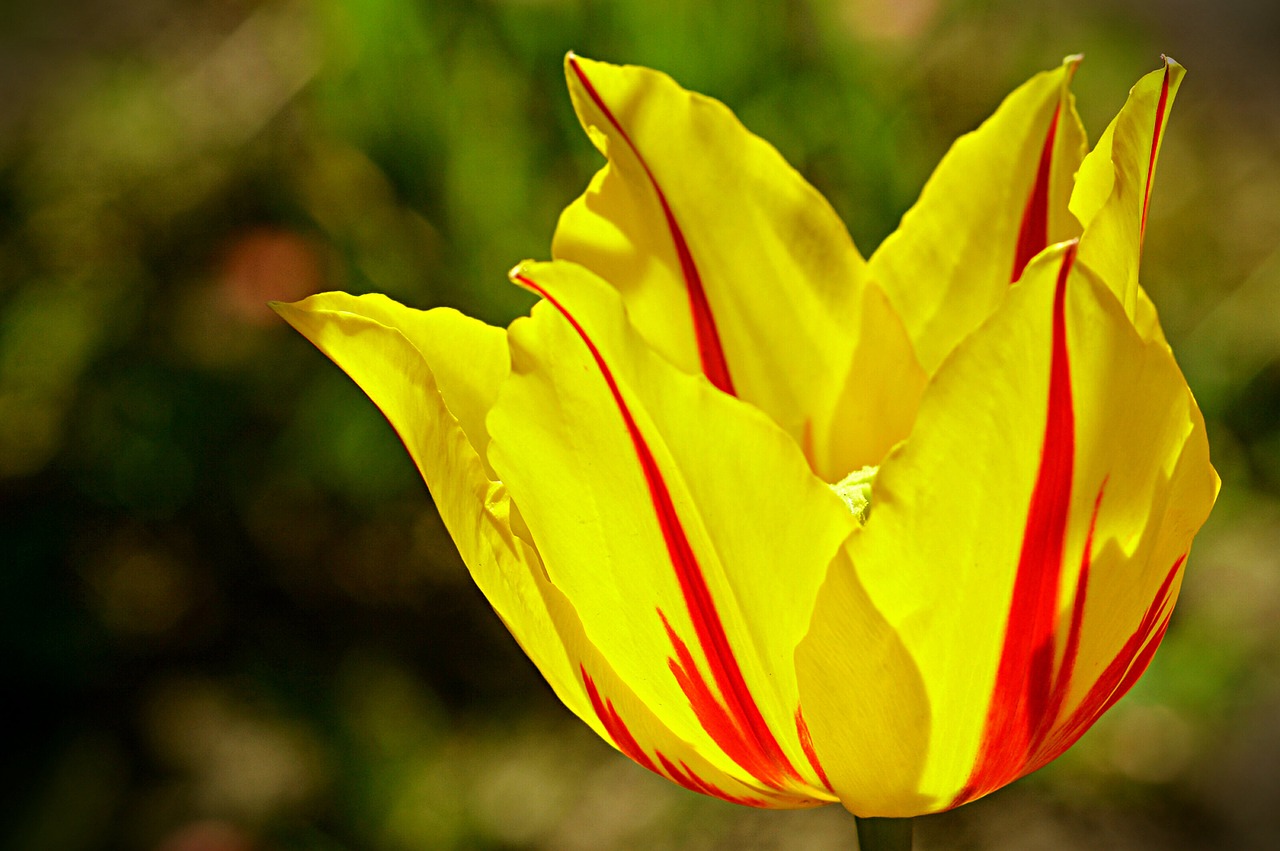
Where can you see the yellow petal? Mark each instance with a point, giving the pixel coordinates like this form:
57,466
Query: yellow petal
998,197
421,368
1153,487
381,345
468,360
1113,189
880,395
981,521
390,350
729,262
683,525
864,701
637,731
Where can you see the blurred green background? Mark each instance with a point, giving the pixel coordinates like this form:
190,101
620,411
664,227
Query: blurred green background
229,616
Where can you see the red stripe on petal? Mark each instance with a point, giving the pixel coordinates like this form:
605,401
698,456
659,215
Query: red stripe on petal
761,755
1140,664
1121,673
806,744
712,715
1024,677
614,725
1161,107
769,767
710,351
1033,234
689,779
626,742
1118,677
1062,680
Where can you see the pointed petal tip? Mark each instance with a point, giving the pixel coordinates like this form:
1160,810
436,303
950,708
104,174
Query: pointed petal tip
287,309
573,62
290,311
315,298
1172,68
278,306
1072,62
521,272
573,72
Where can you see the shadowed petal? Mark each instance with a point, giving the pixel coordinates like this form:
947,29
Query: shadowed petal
863,701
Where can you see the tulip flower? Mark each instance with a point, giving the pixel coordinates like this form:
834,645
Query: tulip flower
790,527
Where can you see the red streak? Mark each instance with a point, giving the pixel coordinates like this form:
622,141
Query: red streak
1019,703
806,743
1062,682
1118,677
762,753
1023,680
686,777
1139,666
1155,146
626,742
613,724
1033,235
725,730
714,365
1125,669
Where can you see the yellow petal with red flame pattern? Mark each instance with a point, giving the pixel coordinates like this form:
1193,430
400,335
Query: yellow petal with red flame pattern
683,524
729,262
1113,191
435,374
997,199
1058,463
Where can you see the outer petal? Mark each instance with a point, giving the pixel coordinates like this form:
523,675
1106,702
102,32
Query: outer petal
684,526
729,262
1113,191
602,699
420,368
998,197
1053,438
378,342
865,704
435,374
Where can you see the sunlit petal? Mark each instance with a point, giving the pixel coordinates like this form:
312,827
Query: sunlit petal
729,262
1113,191
645,490
998,197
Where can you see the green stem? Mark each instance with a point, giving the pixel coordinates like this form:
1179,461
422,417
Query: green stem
884,834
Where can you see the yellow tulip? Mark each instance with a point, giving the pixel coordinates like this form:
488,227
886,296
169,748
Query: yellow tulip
789,527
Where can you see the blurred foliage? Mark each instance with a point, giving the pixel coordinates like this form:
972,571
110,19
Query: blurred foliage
229,616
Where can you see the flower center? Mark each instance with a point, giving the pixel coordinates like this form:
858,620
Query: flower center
855,490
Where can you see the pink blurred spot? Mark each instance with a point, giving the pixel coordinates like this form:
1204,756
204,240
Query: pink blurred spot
268,264
210,835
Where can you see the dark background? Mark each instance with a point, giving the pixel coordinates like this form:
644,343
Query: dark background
229,616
